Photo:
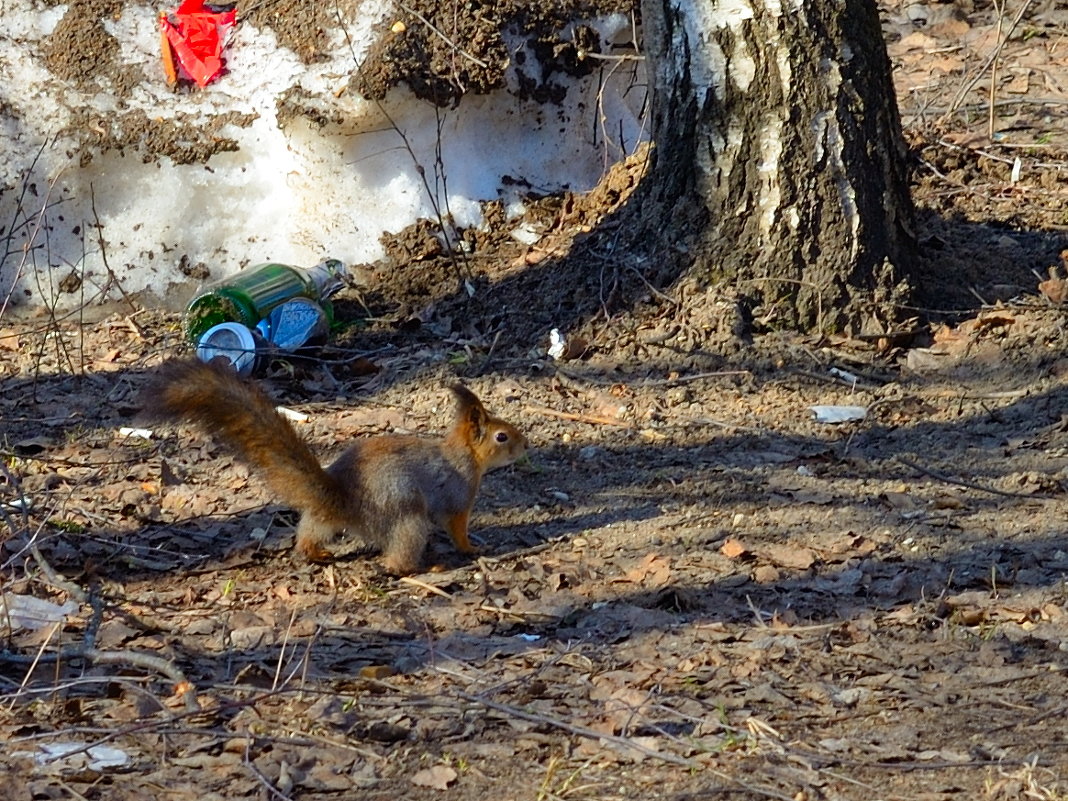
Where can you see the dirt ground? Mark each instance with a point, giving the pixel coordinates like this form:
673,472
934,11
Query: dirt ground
693,589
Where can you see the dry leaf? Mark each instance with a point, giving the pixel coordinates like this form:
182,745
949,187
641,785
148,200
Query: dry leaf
990,321
899,500
377,671
945,333
653,570
733,549
916,41
766,574
790,556
1054,288
1020,83
438,777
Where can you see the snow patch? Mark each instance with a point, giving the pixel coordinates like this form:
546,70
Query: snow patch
294,190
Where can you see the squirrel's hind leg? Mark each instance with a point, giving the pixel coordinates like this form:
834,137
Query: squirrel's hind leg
406,542
311,534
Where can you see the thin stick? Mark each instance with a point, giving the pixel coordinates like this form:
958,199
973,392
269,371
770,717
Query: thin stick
270,788
40,657
55,579
955,105
579,418
999,9
282,649
423,586
444,38
969,484
652,382
580,731
113,279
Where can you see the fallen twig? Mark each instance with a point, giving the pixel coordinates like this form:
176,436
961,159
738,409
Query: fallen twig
581,731
578,418
270,788
444,38
423,586
136,658
652,382
55,579
960,482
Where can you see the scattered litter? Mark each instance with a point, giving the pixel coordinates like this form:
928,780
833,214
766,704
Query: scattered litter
295,323
525,234
18,505
562,349
29,612
557,344
193,36
839,414
845,376
245,318
249,296
235,343
75,755
291,414
138,433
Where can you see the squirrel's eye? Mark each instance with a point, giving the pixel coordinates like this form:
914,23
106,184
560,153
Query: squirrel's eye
501,436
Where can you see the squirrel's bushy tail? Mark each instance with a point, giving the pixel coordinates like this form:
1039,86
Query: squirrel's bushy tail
238,414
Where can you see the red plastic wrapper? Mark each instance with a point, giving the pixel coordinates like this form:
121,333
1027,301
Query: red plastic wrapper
193,36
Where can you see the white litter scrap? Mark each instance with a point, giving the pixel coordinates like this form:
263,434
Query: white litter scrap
28,612
291,414
839,414
138,433
843,374
18,505
75,755
557,344
525,234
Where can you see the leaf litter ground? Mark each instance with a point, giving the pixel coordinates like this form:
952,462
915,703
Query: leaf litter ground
693,589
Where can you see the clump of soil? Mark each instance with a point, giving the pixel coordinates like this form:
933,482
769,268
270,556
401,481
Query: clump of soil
80,48
304,26
441,55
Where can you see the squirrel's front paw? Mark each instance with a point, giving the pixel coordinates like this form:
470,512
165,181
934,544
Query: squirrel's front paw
317,554
399,566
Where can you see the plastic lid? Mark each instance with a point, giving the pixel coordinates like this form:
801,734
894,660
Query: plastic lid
232,342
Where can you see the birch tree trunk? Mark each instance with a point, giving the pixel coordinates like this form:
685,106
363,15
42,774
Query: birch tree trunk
779,162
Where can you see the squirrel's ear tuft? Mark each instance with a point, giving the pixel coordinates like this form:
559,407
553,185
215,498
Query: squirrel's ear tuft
470,410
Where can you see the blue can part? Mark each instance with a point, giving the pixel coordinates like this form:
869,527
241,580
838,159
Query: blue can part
297,323
234,343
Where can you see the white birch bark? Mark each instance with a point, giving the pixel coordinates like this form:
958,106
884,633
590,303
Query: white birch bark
784,113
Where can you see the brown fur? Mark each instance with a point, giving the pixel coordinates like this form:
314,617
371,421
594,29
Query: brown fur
388,491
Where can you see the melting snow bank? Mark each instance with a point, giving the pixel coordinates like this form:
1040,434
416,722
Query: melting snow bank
114,185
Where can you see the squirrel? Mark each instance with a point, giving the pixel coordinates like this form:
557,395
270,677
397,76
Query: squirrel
388,491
